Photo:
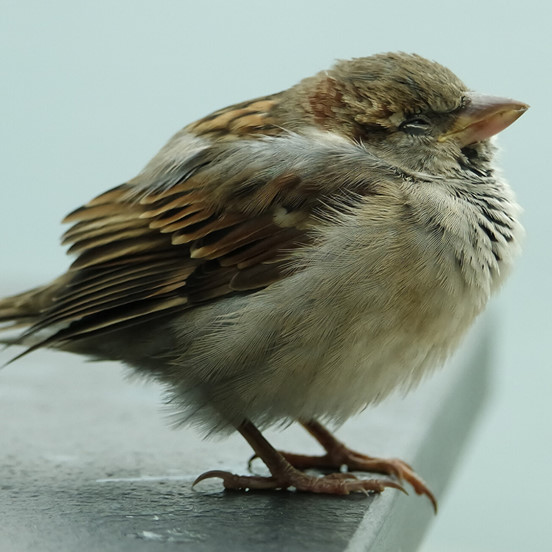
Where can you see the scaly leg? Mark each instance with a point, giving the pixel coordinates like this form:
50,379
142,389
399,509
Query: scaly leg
284,475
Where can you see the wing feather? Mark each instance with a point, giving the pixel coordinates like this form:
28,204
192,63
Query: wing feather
207,218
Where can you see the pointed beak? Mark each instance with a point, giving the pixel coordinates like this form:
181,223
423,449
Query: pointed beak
483,117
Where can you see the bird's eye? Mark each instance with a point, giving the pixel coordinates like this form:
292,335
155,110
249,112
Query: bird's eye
416,126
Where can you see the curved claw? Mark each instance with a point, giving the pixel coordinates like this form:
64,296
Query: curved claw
238,482
208,475
250,461
404,472
397,486
421,488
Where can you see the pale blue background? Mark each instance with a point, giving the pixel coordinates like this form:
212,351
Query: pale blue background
90,91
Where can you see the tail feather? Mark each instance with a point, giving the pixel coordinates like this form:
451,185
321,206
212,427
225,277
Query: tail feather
22,307
25,309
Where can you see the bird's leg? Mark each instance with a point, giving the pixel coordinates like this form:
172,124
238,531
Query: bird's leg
284,475
337,455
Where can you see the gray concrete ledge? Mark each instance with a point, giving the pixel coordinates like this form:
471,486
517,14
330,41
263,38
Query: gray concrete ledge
88,462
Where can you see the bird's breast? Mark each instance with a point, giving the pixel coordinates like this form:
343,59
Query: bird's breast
348,329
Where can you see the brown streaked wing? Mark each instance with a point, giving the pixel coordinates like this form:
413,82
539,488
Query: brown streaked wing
139,258
239,120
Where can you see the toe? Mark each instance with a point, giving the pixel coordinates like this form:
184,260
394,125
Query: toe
238,482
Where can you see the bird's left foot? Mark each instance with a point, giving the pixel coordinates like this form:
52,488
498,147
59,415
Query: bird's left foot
355,461
338,455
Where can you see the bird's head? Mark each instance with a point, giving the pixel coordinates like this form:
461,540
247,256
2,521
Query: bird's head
412,112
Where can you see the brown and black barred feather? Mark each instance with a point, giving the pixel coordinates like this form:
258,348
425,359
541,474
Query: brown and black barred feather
217,212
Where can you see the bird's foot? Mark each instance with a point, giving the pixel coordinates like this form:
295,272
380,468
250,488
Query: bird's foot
340,455
334,483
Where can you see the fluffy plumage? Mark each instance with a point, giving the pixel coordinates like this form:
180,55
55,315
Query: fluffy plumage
297,256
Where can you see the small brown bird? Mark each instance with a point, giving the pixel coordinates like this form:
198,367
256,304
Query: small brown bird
295,258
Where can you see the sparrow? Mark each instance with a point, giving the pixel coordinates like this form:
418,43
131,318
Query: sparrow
295,257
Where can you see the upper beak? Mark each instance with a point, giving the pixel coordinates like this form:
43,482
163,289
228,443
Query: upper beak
483,117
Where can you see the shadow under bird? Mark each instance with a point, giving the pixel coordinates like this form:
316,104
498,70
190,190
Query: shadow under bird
295,257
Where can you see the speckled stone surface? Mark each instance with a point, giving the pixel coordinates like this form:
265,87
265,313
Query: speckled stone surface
88,462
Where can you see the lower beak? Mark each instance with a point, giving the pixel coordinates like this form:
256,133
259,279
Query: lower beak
483,117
